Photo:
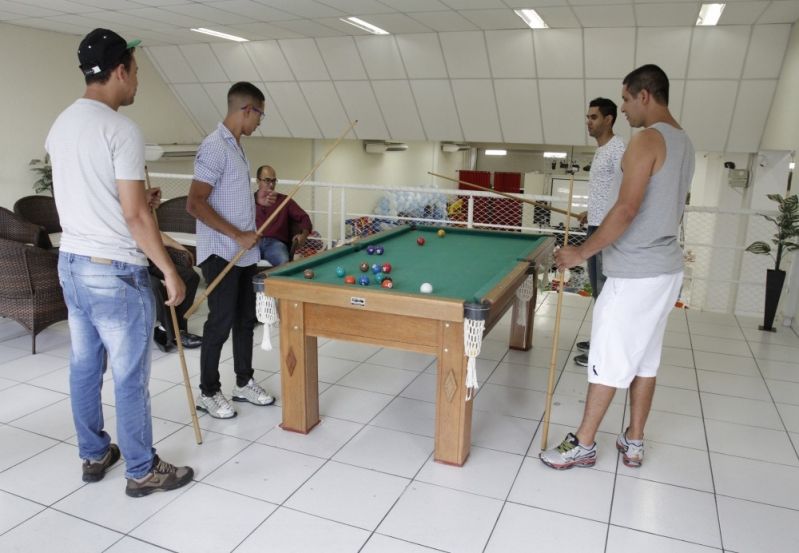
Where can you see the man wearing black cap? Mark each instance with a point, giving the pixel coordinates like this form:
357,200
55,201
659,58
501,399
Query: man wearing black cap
98,175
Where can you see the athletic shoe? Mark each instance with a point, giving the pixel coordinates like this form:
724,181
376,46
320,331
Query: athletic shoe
632,450
569,454
94,471
217,406
583,346
581,360
253,393
163,477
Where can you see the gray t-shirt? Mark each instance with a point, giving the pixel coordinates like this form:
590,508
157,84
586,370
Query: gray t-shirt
650,247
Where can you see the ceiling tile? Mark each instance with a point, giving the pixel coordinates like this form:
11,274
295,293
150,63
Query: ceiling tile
707,111
465,54
663,14
437,109
217,93
235,61
262,31
360,103
58,26
558,17
664,46
62,6
519,112
179,19
718,52
676,95
172,64
495,19
609,53
19,8
599,2
304,8
406,6
381,57
362,7
511,54
200,106
474,99
396,23
273,124
473,4
751,112
559,53
742,13
254,11
780,11
422,56
443,21
563,110
307,27
269,61
399,110
127,19
326,107
605,16
343,28
304,59
204,63
341,58
767,48
290,102
208,13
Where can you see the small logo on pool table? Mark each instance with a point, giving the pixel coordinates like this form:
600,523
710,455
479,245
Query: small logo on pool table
358,302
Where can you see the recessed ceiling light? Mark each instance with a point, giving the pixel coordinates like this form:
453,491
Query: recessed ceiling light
709,14
220,35
555,155
496,152
364,25
532,19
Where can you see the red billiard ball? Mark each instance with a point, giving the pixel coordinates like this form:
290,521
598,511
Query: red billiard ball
420,240
386,268
387,283
349,279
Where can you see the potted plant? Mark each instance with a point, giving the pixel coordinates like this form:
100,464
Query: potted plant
42,168
786,239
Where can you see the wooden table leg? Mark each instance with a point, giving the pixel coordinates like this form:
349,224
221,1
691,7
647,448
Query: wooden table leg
453,412
299,376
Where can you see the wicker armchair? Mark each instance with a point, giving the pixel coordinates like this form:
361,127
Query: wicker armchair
173,217
30,292
14,228
39,210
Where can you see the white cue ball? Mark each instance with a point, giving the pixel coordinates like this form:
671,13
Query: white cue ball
426,288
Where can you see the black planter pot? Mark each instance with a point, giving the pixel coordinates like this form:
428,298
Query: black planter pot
774,282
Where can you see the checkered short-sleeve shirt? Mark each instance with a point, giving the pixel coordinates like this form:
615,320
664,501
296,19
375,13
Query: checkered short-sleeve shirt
221,162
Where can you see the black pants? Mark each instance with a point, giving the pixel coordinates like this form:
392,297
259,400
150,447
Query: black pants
595,275
162,312
231,305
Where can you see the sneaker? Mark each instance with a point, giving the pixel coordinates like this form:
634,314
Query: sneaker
632,450
569,454
163,477
581,360
217,406
94,471
583,346
253,393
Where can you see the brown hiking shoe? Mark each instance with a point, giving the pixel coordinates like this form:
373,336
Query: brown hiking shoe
94,471
163,477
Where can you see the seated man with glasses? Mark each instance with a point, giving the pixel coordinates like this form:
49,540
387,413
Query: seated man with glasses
291,226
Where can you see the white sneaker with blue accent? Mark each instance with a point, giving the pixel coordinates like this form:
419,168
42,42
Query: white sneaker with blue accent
569,454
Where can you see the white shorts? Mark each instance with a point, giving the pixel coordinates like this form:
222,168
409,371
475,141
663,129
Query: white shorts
630,319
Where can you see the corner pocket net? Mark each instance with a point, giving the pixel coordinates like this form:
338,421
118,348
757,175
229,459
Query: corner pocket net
524,294
266,311
474,323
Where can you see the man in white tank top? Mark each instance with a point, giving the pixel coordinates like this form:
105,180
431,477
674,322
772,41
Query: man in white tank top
643,264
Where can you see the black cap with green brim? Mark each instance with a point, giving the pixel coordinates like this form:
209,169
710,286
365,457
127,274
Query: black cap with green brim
102,49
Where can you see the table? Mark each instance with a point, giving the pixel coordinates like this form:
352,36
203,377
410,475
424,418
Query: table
474,273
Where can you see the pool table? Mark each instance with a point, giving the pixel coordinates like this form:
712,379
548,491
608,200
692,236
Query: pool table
474,273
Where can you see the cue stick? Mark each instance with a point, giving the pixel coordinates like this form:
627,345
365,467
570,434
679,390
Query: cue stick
176,329
232,262
510,196
554,359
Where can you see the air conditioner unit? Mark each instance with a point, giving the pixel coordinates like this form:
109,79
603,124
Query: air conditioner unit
450,147
154,152
381,146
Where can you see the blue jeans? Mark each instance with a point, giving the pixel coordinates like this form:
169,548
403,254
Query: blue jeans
111,318
274,251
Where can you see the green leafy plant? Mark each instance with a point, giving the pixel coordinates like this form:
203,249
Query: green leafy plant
787,234
42,168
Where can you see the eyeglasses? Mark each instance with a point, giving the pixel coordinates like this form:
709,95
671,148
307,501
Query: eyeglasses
268,180
261,113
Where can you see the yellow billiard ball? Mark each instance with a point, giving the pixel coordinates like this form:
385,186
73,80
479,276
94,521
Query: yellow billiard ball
441,233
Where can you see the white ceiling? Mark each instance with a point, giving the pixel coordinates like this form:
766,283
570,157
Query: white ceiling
460,70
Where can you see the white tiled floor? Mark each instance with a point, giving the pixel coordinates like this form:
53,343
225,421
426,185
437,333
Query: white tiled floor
721,472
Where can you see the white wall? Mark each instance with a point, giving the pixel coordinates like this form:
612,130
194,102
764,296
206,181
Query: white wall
40,78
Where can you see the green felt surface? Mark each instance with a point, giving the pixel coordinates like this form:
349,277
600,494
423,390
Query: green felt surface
464,264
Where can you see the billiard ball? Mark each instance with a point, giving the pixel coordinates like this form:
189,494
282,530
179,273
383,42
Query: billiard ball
379,277
349,279
339,271
307,273
379,250
426,288
364,267
386,267
376,268
420,240
387,283
441,233
370,249
363,280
